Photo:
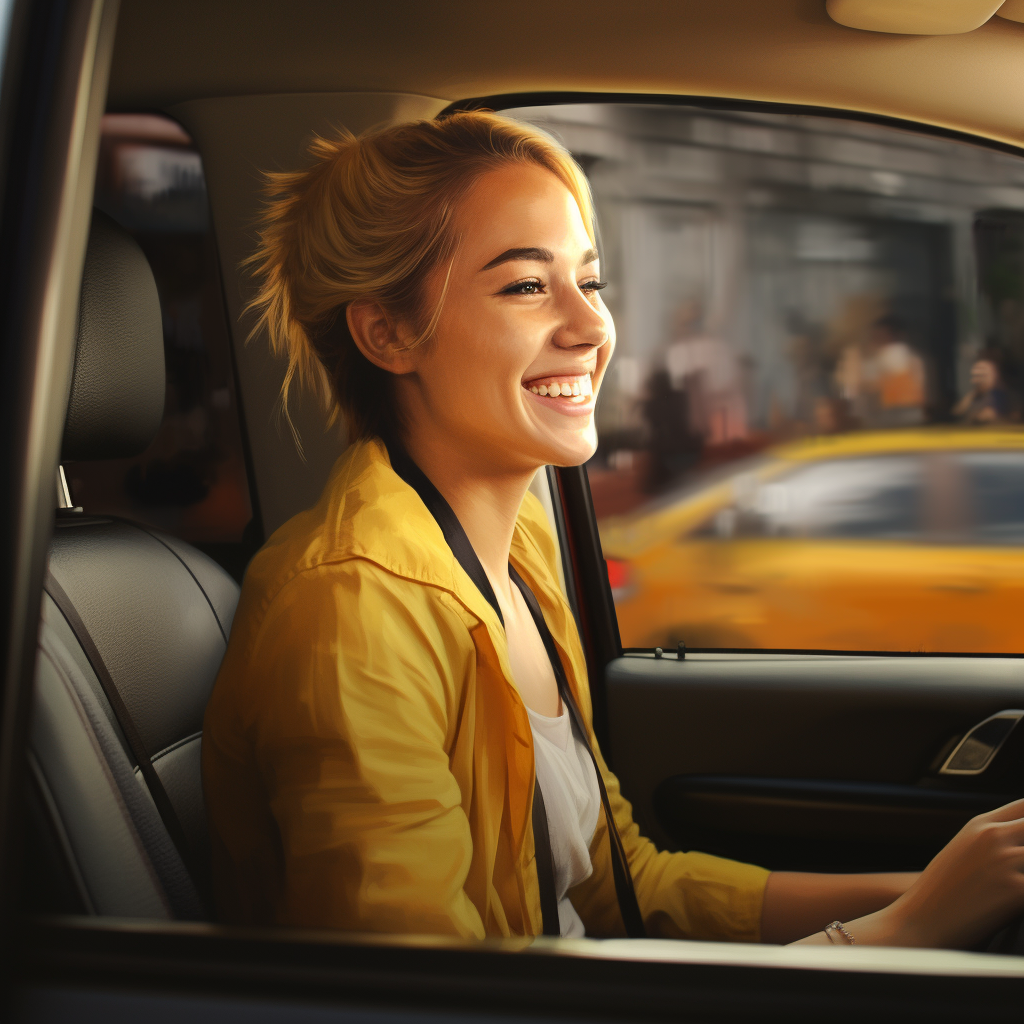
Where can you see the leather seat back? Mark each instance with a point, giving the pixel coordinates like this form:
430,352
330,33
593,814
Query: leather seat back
158,613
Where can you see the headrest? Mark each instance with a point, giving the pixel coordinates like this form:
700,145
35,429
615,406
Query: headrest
117,391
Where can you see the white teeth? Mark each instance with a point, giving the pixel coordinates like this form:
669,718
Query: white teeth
582,386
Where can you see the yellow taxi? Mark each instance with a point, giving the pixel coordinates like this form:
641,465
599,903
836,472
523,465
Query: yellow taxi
899,540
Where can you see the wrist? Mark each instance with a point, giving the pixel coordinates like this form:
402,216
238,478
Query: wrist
891,926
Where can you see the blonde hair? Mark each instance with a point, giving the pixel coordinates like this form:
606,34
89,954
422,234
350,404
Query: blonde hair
370,219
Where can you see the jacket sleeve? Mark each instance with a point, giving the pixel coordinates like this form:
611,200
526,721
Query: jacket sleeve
681,895
358,695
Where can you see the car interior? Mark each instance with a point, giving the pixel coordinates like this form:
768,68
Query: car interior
883,140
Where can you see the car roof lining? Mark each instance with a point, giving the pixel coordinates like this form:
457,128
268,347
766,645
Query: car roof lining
788,51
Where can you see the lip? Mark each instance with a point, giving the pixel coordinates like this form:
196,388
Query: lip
561,375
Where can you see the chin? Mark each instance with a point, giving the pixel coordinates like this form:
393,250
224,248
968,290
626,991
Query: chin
573,452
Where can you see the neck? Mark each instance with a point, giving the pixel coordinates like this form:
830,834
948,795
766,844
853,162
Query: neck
485,498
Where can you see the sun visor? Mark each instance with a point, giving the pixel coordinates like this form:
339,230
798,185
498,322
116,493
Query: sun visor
916,17
1012,10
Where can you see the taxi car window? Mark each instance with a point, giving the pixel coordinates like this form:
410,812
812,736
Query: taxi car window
856,498
191,482
996,485
843,301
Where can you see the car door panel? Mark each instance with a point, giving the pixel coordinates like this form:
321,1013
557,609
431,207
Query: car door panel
813,825
809,762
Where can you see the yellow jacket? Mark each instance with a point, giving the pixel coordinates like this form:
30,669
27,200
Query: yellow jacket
367,760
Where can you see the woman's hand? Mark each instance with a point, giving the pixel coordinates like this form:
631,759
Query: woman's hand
969,890
972,887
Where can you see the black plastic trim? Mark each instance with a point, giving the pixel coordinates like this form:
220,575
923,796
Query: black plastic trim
839,792
813,652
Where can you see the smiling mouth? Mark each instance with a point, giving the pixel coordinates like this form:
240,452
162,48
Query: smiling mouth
575,389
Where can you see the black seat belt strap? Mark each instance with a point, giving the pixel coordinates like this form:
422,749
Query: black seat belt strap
456,538
124,719
628,904
545,866
444,515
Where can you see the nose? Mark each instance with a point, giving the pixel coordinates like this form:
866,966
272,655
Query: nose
583,324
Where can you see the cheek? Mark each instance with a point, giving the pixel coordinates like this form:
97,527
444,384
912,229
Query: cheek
457,357
471,360
499,346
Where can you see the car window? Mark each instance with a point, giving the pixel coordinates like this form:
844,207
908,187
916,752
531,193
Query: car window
854,498
843,303
996,484
191,481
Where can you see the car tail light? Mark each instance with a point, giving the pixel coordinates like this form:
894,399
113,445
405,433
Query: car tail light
619,576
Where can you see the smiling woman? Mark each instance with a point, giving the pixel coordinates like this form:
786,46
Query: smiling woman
400,737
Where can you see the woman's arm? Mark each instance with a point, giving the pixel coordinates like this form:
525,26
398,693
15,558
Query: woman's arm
799,903
351,741
972,887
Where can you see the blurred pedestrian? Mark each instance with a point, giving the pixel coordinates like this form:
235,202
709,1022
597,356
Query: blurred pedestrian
883,381
987,401
674,447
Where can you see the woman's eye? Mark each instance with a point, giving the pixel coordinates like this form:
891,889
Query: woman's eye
523,288
593,286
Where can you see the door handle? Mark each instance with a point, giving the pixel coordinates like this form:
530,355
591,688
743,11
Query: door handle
975,752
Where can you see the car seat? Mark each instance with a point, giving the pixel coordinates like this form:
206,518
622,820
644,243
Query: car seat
134,627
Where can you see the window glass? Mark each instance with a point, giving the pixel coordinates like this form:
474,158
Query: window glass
860,498
191,481
995,484
816,397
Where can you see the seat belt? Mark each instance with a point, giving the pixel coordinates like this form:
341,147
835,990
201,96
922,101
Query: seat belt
163,803
629,907
545,861
456,538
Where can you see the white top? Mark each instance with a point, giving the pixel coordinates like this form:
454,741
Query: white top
568,780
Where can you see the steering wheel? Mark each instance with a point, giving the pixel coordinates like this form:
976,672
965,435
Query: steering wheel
1009,939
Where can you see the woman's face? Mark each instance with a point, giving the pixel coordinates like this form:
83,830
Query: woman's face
512,373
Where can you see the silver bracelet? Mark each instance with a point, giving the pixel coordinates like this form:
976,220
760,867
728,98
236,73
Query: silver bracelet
838,929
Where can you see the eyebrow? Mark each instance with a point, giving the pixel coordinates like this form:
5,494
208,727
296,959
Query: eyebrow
536,255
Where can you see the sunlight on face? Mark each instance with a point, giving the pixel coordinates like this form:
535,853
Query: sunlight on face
523,340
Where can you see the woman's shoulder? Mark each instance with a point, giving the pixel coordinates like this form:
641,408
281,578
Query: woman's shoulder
368,524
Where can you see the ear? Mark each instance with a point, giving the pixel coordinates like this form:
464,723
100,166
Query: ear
380,338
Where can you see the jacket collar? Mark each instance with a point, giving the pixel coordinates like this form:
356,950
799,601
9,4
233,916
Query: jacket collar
398,533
